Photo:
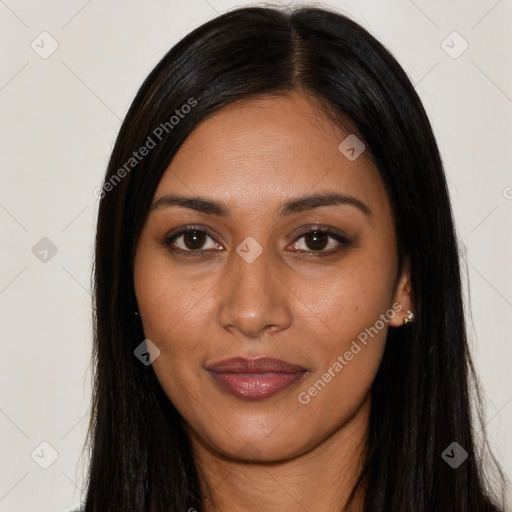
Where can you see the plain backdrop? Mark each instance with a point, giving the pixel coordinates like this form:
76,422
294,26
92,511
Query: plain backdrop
69,73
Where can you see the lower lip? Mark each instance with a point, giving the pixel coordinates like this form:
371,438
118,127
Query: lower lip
253,386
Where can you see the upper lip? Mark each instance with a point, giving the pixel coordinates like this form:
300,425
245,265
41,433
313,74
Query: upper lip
258,365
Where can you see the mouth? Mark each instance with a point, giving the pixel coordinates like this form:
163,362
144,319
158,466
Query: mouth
253,379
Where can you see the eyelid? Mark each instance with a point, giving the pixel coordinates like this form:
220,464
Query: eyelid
323,228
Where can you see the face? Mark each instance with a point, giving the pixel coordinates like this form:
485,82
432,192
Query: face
300,292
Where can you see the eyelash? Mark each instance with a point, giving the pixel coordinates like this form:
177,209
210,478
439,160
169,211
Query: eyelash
321,230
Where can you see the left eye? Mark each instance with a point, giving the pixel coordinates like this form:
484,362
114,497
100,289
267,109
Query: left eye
317,240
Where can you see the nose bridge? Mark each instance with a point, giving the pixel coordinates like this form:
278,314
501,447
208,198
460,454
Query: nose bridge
252,270
253,298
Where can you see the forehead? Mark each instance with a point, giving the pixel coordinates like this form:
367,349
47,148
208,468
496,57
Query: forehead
266,150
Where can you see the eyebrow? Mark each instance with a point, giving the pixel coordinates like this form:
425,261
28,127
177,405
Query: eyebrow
295,205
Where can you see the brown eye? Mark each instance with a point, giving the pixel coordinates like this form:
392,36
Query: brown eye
194,239
321,242
191,241
316,240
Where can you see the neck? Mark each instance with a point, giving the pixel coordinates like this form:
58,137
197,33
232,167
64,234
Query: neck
319,479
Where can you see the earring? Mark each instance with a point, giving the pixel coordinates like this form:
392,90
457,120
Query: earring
409,317
136,313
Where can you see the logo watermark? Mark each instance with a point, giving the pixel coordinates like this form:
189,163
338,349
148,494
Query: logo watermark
304,397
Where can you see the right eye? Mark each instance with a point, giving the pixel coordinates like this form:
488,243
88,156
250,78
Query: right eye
191,240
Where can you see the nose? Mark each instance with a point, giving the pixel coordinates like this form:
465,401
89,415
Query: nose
254,299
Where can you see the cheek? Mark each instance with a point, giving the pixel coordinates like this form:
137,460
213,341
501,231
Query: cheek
351,318
167,298
347,300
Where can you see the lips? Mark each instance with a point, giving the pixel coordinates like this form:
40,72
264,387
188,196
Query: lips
253,379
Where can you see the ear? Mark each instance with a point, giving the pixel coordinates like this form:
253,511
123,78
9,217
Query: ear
402,297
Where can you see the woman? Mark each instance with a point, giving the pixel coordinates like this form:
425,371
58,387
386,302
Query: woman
278,312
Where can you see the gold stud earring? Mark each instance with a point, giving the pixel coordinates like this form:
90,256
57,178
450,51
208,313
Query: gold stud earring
409,317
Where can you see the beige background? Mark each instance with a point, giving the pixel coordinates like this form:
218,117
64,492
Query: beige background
60,116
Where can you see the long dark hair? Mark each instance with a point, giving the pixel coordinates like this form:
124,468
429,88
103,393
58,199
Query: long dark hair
422,397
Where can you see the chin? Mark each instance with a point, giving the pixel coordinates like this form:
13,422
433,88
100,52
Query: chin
263,445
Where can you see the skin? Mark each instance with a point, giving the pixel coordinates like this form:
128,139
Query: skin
252,156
